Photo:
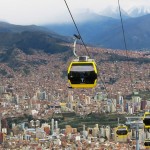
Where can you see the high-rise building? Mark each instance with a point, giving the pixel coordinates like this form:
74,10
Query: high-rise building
84,127
56,125
70,96
95,130
2,89
43,95
1,137
127,107
37,95
87,100
142,135
121,100
17,98
102,131
0,124
52,126
100,96
136,98
143,104
108,132
113,105
122,108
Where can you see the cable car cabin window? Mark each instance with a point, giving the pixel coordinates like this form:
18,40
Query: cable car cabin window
82,68
82,74
146,121
121,132
147,116
147,143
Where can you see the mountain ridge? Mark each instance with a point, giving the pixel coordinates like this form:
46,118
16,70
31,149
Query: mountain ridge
31,37
107,32
16,40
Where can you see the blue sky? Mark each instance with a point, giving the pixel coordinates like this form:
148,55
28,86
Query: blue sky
26,12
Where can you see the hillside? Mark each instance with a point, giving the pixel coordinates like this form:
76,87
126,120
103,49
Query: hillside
31,59
28,41
18,40
30,38
27,72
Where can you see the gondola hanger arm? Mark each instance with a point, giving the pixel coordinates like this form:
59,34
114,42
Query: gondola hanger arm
76,37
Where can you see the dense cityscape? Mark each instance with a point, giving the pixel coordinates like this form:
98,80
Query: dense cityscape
35,104
74,75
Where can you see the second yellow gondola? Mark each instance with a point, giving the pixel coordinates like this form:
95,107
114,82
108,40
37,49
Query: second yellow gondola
147,143
146,119
122,130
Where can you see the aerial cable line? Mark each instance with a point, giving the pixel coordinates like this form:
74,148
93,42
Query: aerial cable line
122,27
124,39
76,28
126,55
108,93
84,44
125,44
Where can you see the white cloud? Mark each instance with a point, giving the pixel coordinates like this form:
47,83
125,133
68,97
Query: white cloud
46,11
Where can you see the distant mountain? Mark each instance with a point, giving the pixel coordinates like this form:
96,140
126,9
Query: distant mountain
114,13
132,12
106,32
138,11
137,33
90,28
86,21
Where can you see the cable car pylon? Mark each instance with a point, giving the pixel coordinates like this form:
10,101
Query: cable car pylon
146,122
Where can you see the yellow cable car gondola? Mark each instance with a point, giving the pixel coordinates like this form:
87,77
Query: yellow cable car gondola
82,73
147,143
122,131
146,119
